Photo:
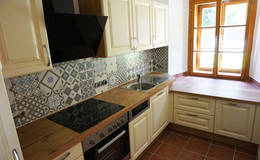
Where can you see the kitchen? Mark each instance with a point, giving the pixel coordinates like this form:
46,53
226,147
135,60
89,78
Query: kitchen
129,79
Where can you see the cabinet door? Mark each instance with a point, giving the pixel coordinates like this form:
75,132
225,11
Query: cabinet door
23,37
140,130
234,119
160,109
256,131
118,31
160,24
142,22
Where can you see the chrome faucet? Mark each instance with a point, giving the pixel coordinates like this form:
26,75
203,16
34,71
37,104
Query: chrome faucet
138,78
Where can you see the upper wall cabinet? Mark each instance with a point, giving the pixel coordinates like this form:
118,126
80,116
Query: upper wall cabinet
23,39
142,22
132,24
118,32
160,24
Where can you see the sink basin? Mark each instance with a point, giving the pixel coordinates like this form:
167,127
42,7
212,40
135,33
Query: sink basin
140,87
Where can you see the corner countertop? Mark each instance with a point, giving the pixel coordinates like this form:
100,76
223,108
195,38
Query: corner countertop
45,140
217,88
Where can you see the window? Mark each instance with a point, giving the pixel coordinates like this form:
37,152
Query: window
220,37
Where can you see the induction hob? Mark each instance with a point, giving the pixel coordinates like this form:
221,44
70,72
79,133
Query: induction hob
84,115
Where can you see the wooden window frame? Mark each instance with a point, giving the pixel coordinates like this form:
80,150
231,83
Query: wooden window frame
250,24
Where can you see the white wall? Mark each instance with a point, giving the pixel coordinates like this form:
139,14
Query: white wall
255,57
178,35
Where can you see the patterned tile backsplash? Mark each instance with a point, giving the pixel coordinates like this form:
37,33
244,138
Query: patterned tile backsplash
41,94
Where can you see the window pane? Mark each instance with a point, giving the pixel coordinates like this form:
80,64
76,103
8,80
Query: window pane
204,39
234,13
205,15
203,62
232,39
230,63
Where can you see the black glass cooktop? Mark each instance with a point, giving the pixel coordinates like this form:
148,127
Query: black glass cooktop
85,115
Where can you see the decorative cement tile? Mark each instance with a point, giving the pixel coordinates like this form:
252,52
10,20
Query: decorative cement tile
25,86
50,80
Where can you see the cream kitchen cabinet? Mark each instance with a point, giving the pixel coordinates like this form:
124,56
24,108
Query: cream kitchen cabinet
140,133
234,119
160,24
23,38
142,22
75,153
160,112
256,130
132,25
194,111
118,32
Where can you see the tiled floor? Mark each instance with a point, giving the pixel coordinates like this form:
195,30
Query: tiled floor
172,145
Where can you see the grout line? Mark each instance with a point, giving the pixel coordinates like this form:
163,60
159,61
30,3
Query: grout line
179,154
206,155
235,150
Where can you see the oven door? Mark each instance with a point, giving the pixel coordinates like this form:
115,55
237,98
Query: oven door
114,147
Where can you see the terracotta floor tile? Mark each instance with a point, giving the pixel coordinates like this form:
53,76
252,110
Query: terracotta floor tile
163,137
246,151
198,145
168,151
157,157
187,155
220,152
244,156
224,145
154,146
145,156
177,139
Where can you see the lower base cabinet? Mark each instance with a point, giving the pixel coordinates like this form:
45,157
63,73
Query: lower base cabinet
74,153
159,112
234,119
140,133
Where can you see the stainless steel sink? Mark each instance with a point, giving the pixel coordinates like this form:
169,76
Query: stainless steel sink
139,86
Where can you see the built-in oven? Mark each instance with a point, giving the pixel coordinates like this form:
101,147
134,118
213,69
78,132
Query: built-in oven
110,143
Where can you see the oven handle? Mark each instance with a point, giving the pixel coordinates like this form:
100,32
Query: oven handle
111,142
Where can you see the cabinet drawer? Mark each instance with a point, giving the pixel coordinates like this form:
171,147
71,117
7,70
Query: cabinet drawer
194,104
80,158
74,153
194,120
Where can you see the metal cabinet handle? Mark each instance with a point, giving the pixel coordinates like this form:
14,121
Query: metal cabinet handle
160,94
194,98
15,155
65,156
233,104
192,115
111,142
48,54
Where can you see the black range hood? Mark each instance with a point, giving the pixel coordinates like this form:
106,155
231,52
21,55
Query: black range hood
71,36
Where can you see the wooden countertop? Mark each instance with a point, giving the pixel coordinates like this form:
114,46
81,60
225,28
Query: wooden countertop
44,139
217,88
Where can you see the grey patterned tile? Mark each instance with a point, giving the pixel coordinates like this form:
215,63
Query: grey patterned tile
50,80
69,73
54,100
86,75
87,88
100,67
72,94
25,86
34,108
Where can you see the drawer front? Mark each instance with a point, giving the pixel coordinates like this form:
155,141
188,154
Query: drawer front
194,120
72,154
80,158
194,104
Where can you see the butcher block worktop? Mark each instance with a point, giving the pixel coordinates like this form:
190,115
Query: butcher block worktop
45,139
217,88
